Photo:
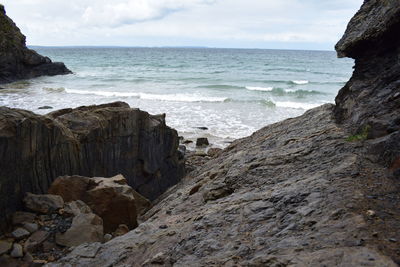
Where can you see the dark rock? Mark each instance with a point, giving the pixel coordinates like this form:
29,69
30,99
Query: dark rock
202,141
5,247
16,60
214,151
202,128
102,140
35,240
43,203
45,107
369,101
187,142
31,227
20,233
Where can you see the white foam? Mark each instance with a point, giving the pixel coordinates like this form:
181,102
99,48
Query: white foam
255,88
51,89
160,97
101,93
296,105
300,82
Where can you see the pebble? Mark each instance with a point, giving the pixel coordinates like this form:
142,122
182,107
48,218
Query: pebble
17,251
107,237
31,227
20,233
393,240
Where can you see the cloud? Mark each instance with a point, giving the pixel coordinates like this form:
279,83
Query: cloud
120,12
219,23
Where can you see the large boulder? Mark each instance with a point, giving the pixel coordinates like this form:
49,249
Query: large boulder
110,198
16,60
94,141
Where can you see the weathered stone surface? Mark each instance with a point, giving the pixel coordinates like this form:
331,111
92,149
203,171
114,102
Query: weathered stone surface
110,198
292,194
16,60
369,103
20,233
43,203
85,228
17,251
36,240
74,208
102,140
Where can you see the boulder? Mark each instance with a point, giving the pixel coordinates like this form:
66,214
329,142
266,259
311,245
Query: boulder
43,203
101,141
85,228
202,141
16,60
110,198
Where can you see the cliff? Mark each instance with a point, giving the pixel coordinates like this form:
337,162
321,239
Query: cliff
102,141
16,60
318,190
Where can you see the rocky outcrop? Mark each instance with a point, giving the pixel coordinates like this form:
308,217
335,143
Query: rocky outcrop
369,104
110,198
308,191
95,141
16,60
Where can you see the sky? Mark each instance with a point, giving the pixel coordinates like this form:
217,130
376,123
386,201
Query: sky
273,24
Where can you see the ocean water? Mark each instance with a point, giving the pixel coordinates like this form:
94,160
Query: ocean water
232,92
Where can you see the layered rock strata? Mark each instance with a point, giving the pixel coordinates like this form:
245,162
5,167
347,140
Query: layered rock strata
94,141
16,60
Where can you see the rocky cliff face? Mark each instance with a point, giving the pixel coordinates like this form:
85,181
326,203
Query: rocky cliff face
370,101
308,191
103,140
16,60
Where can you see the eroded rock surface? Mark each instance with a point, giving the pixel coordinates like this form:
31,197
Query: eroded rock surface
16,60
369,104
94,141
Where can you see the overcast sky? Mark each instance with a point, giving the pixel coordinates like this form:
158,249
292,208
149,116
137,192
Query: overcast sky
286,24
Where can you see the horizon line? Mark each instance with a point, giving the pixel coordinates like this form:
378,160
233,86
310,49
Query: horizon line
188,47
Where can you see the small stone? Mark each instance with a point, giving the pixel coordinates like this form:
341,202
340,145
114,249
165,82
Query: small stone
31,227
375,234
121,230
107,237
371,213
163,226
20,233
5,247
393,240
202,128
187,142
17,251
45,107
28,258
214,151
202,141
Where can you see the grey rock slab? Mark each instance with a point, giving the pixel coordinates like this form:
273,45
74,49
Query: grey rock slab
20,233
5,247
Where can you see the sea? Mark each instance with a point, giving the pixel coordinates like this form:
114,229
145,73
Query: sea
221,94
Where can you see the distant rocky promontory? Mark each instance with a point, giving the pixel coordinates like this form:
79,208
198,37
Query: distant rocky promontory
16,60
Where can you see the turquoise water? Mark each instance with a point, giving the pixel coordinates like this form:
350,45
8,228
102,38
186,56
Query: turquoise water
232,92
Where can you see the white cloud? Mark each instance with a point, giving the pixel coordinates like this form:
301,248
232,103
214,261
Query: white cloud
228,23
